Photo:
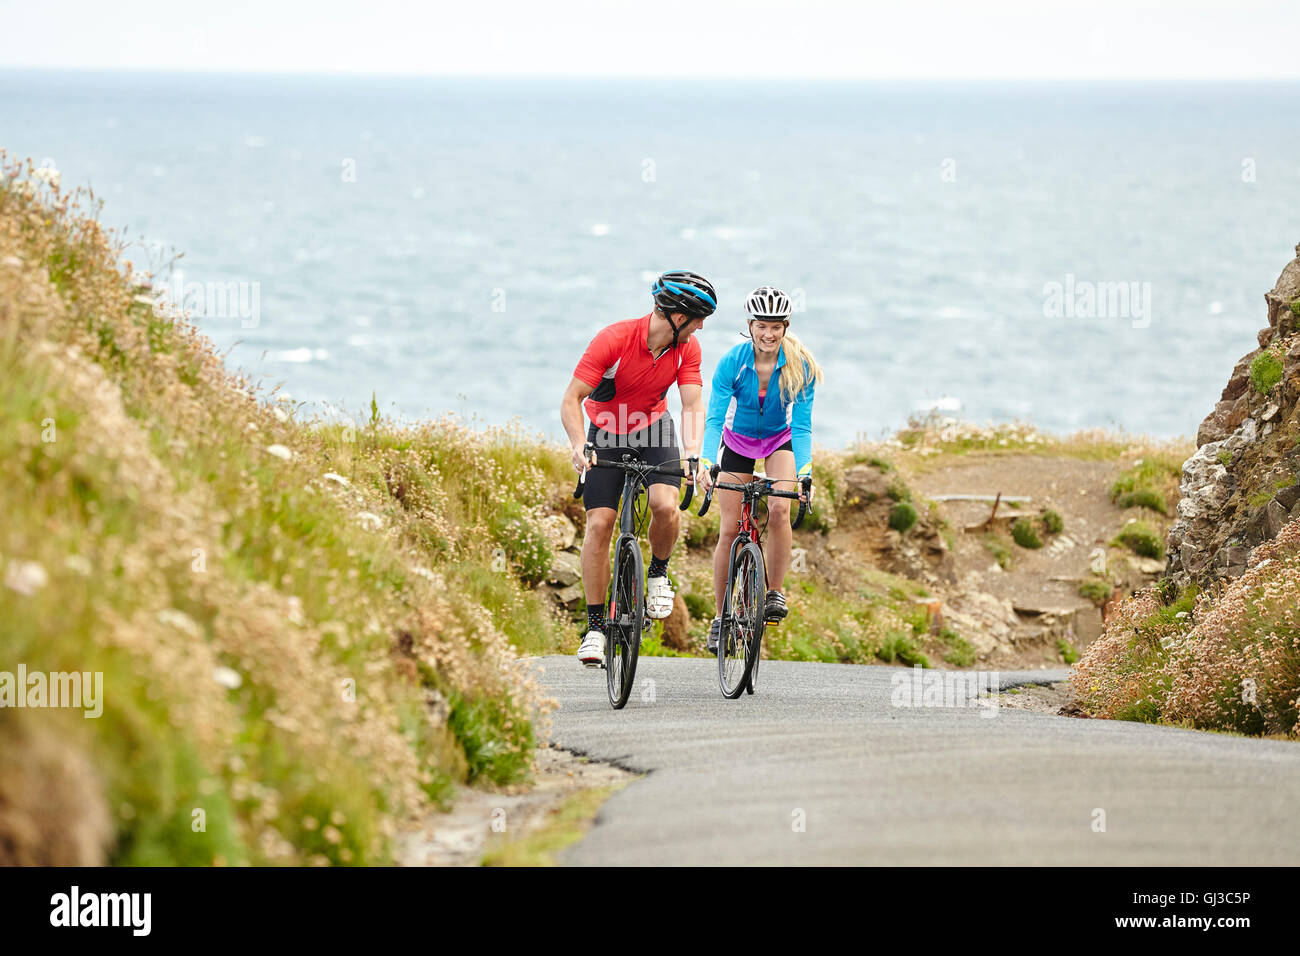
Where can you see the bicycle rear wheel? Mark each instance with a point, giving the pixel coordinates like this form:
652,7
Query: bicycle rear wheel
626,617
742,621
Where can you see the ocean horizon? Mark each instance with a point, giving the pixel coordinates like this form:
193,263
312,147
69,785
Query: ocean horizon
1076,255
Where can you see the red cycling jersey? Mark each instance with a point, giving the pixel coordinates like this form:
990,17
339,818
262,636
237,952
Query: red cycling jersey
629,383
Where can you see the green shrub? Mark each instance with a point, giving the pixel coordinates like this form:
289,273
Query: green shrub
1053,522
997,546
902,517
1144,498
901,648
1140,538
702,532
1224,458
497,737
698,606
959,652
1025,534
524,543
899,491
1149,483
1265,372
1096,590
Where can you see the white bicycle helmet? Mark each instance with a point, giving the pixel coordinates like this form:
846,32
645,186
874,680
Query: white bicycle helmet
768,302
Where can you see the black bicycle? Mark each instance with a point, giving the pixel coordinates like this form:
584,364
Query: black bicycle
625,617
743,614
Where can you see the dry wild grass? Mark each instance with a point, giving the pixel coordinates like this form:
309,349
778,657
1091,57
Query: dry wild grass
928,442
300,662
1231,663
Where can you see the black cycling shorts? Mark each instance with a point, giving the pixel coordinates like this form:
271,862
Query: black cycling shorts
737,464
656,444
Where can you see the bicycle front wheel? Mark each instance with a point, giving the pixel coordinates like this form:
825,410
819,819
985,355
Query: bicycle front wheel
626,617
742,621
762,626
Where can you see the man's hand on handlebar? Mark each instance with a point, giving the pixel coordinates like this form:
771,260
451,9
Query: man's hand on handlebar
583,458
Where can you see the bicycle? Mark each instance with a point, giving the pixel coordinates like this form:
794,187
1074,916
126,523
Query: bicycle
743,614
625,617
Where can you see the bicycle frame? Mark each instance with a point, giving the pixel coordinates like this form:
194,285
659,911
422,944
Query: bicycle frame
748,539
622,635
627,529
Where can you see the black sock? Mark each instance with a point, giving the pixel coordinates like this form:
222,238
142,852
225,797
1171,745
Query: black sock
658,567
596,617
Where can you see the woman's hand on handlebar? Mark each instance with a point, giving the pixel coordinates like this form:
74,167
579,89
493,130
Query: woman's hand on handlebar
703,480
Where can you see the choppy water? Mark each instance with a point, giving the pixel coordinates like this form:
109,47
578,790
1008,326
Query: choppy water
453,244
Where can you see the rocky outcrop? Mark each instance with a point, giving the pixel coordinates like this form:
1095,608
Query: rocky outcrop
1243,482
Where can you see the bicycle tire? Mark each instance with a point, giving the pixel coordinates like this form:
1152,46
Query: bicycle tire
626,619
741,620
752,680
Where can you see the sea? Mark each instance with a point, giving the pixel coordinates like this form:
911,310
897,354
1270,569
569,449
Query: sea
1072,255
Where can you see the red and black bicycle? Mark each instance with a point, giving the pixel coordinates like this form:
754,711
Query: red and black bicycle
743,612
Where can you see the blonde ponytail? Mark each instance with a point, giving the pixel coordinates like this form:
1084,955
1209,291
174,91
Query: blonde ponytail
800,369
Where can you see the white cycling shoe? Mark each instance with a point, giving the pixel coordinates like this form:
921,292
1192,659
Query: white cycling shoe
592,651
659,598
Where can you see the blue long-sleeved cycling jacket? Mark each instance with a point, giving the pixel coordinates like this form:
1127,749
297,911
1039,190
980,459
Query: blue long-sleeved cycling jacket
733,404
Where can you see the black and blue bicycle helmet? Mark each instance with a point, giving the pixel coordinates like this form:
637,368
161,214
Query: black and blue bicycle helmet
685,292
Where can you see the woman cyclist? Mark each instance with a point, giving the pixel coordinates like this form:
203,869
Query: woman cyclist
760,408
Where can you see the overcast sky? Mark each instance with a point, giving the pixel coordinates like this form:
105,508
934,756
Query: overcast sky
740,38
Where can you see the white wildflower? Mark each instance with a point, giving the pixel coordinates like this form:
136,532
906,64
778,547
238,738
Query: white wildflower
48,175
279,451
227,677
179,620
370,521
337,479
26,577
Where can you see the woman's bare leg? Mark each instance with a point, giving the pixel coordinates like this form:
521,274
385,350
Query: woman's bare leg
776,550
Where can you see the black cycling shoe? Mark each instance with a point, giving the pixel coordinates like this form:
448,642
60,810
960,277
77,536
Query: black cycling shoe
775,611
714,630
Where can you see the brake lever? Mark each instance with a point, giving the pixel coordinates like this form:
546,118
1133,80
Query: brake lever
805,505
692,465
587,451
708,497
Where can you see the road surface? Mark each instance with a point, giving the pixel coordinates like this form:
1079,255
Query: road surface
820,767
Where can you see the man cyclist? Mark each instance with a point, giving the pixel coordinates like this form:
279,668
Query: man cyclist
624,377
760,408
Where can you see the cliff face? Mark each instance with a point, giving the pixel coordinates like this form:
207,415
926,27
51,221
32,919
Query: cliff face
1240,487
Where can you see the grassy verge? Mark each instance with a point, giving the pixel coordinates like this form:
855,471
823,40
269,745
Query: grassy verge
305,629
565,826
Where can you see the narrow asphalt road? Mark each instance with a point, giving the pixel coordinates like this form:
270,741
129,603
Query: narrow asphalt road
821,767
